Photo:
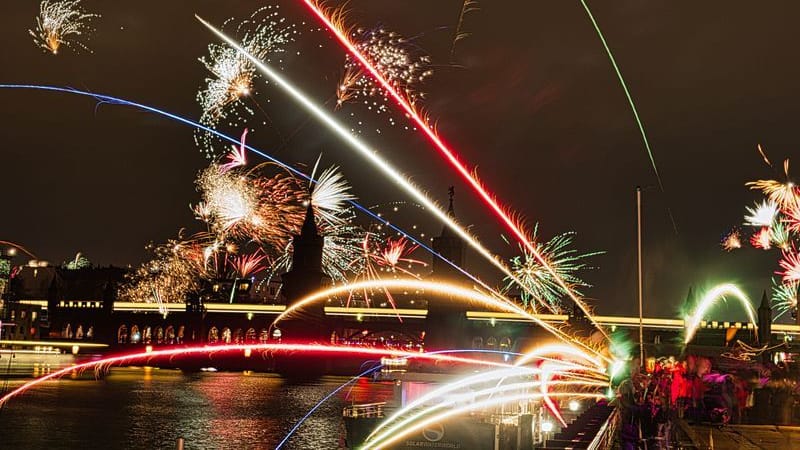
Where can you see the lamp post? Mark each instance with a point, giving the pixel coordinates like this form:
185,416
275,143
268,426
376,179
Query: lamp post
639,264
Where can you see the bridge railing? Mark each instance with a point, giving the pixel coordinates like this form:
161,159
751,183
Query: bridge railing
607,434
374,410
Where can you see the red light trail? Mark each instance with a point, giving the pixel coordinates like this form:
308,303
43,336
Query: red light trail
210,349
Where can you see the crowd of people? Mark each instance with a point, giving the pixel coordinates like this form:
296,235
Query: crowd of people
694,391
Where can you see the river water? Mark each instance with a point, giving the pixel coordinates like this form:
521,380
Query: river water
147,408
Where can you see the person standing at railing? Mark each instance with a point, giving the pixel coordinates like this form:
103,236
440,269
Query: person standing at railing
630,415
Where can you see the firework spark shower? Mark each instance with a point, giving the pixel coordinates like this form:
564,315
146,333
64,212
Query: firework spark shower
774,225
61,23
222,98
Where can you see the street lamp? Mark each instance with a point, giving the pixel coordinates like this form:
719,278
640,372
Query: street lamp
639,264
547,428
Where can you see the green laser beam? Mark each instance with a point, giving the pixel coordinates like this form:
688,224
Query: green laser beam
631,103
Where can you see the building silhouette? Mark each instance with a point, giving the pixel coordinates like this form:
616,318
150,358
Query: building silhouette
304,277
446,324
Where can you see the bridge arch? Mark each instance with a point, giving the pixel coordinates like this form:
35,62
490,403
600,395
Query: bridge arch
394,334
719,292
456,292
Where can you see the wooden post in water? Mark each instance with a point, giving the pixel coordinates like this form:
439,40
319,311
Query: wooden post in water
180,443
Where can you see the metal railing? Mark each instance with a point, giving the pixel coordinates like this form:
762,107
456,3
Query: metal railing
607,434
372,410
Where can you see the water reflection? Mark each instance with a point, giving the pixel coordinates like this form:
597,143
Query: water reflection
151,408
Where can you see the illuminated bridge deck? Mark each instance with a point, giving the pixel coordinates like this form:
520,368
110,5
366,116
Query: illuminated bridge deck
412,313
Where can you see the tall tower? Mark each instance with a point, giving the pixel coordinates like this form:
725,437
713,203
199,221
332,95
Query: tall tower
446,321
450,246
764,321
305,275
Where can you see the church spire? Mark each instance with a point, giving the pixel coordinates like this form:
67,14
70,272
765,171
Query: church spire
448,245
305,275
451,193
309,224
764,321
446,320
764,301
307,246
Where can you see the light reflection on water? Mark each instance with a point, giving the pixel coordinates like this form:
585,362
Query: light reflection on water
147,408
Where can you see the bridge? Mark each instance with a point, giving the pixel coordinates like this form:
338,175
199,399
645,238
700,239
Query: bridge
91,312
411,313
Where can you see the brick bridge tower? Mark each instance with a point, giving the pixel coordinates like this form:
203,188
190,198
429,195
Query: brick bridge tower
304,277
446,321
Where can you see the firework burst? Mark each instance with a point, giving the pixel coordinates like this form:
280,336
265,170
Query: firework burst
401,63
786,194
169,277
777,223
264,35
395,257
394,251
246,265
229,199
243,204
238,155
792,219
761,239
340,256
280,210
542,287
79,262
380,259
784,297
732,240
330,196
242,209
779,235
790,263
762,215
61,23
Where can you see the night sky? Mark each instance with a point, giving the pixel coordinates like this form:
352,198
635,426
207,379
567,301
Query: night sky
532,101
